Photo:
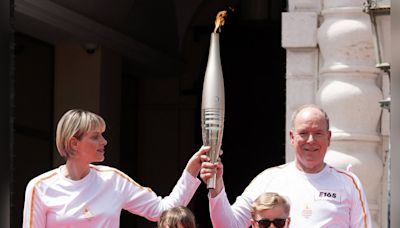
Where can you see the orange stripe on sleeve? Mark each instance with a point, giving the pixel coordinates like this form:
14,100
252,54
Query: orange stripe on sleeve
33,197
123,176
359,196
31,211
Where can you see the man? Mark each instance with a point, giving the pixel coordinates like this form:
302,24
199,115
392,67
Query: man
320,195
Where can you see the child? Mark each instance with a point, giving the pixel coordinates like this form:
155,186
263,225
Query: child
270,209
177,217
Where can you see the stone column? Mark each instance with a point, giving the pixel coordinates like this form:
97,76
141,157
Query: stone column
349,90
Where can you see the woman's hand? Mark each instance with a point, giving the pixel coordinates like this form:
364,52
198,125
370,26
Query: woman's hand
194,164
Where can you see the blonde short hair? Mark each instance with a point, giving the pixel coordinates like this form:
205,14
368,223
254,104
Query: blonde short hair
75,123
177,215
269,200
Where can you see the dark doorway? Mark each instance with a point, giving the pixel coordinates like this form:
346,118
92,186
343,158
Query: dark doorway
253,63
33,112
160,116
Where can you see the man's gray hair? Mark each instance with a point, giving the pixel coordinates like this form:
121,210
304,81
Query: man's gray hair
301,108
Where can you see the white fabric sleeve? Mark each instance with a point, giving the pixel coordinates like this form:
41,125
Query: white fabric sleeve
223,215
144,202
34,214
359,215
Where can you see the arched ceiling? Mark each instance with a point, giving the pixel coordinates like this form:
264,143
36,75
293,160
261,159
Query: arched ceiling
159,25
147,31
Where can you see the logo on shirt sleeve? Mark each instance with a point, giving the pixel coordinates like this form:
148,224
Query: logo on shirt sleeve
327,195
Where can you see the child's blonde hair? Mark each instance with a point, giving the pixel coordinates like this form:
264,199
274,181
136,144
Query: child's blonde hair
269,200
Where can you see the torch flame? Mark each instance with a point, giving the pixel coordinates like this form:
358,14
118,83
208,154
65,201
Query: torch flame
220,19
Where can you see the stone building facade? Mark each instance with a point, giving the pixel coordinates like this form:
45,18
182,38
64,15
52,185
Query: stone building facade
331,62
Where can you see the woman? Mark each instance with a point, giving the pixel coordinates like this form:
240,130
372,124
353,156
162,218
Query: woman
80,194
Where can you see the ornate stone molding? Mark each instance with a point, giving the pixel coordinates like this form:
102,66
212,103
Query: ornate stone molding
349,91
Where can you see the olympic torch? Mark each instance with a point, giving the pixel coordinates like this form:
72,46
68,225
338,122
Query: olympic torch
213,100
